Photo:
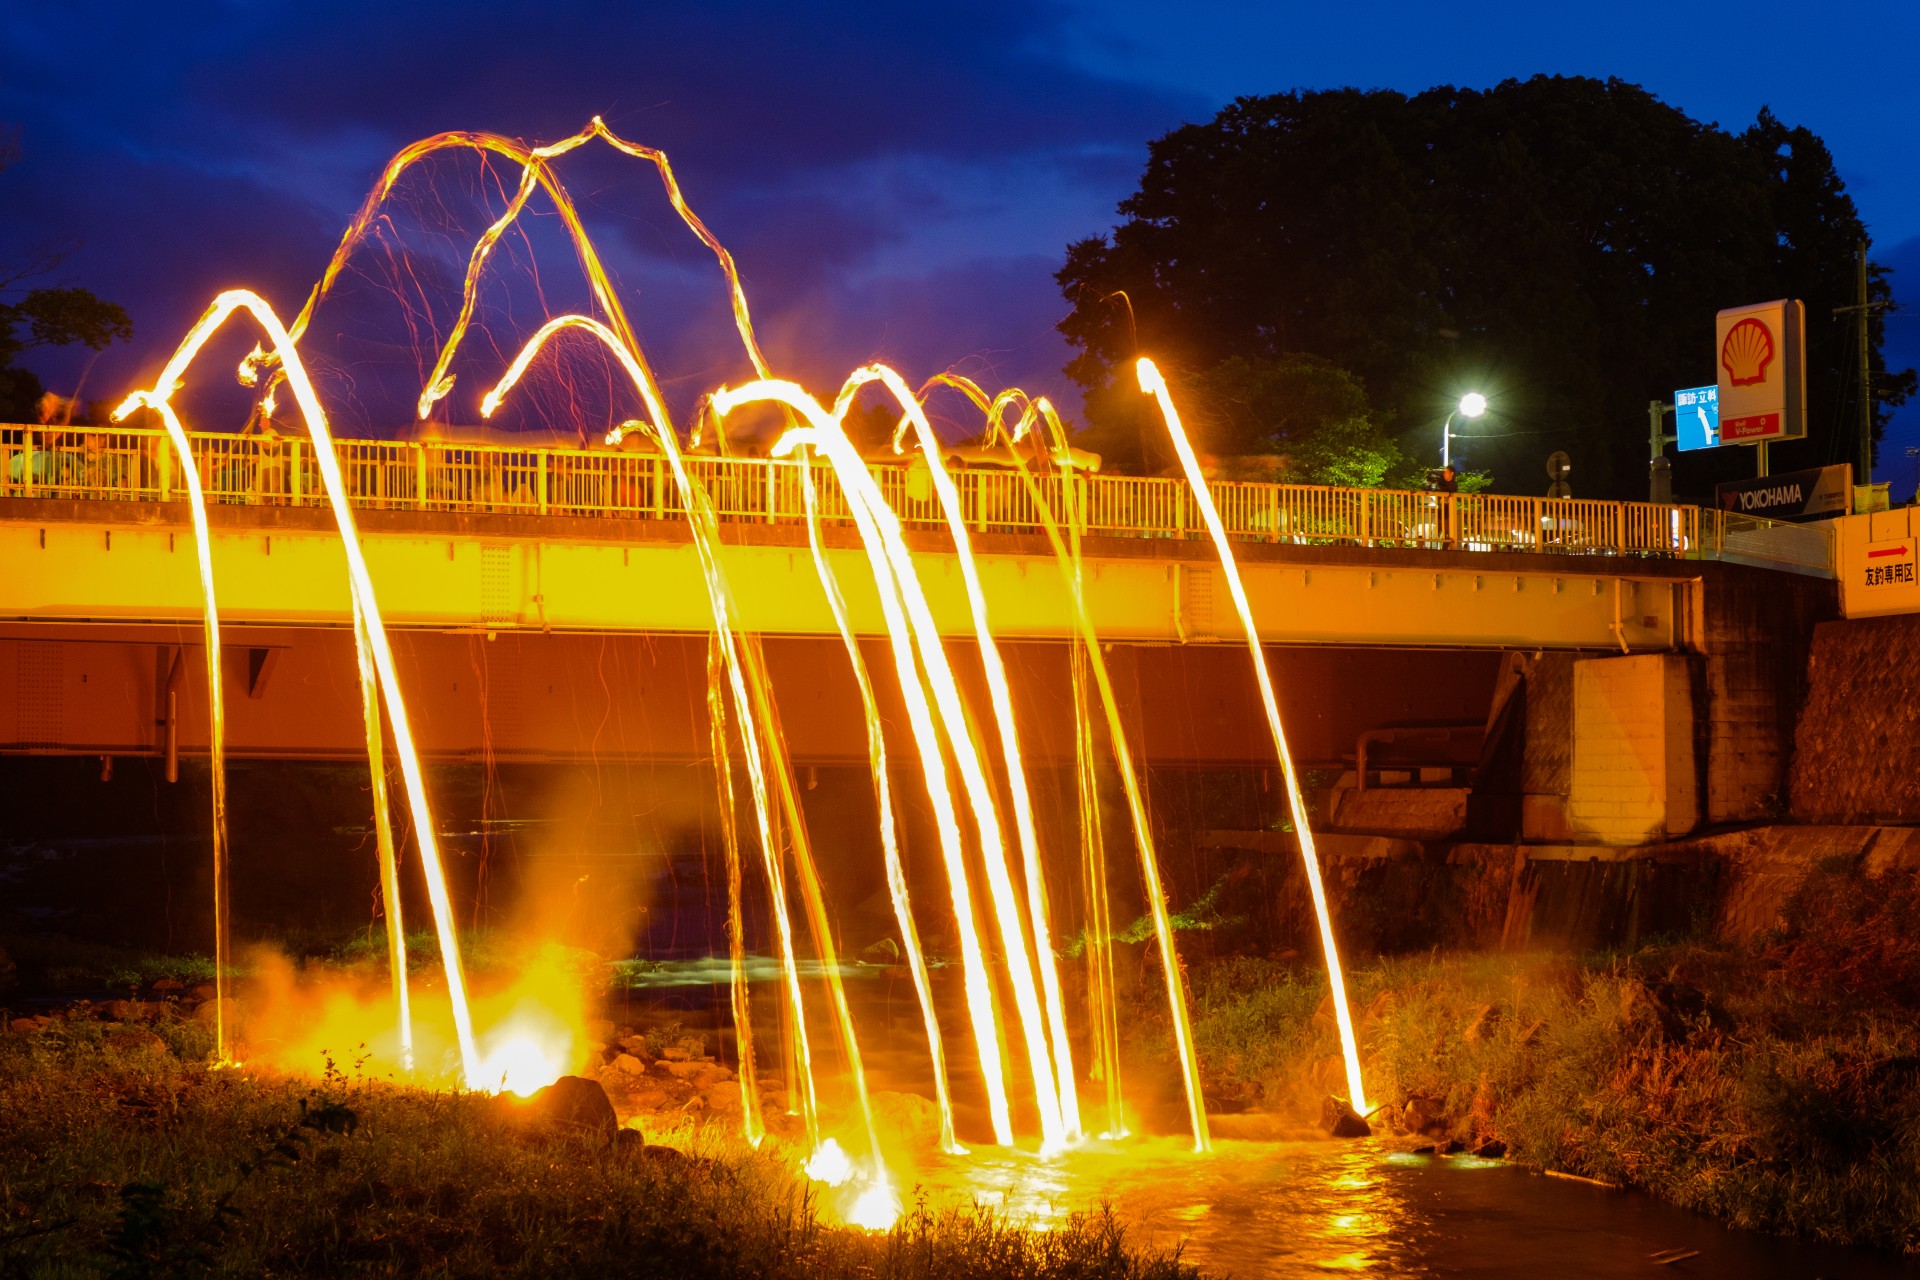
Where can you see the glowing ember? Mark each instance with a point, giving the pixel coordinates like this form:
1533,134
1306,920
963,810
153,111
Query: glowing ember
876,1208
520,1065
829,1164
865,1198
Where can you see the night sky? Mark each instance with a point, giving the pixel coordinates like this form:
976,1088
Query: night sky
896,180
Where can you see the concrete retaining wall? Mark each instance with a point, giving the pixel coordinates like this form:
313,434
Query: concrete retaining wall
1857,746
1395,895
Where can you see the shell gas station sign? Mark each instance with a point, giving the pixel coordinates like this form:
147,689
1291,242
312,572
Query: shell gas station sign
1761,355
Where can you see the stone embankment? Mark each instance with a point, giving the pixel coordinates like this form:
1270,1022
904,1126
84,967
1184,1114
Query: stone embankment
1857,739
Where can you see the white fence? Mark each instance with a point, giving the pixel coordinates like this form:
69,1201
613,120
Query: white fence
139,465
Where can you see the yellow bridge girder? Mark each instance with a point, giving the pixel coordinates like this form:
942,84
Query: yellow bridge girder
82,562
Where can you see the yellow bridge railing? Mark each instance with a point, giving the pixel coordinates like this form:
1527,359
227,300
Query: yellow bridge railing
138,465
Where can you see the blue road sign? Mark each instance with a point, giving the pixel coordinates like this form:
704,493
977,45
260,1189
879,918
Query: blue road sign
1696,417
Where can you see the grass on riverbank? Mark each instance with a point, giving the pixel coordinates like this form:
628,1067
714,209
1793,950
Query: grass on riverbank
1772,1085
133,1163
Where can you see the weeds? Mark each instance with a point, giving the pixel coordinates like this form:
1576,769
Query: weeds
1774,1085
137,1165
55,964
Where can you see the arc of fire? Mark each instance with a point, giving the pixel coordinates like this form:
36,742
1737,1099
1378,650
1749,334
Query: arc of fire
1153,384
759,730
361,586
1067,555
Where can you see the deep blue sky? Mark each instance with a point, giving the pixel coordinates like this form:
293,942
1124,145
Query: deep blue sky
897,180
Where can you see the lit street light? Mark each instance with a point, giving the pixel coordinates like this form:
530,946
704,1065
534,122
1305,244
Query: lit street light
1472,405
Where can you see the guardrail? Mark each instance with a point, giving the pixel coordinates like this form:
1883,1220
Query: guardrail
139,465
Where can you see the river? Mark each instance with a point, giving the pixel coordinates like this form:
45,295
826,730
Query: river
1319,1208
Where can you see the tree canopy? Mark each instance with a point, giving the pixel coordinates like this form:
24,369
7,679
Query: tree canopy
1560,244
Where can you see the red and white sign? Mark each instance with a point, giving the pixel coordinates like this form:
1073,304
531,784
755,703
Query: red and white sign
1889,564
1761,355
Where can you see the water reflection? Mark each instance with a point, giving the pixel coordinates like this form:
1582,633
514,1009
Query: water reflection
1289,1209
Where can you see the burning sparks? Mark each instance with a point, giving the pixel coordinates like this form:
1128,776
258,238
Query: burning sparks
865,1197
369,626
157,401
521,1065
991,849
1154,385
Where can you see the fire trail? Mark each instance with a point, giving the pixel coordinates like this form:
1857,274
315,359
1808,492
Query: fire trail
992,850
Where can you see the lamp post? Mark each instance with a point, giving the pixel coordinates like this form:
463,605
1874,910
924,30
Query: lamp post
1471,405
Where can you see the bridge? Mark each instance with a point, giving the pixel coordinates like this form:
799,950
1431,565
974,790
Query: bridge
549,602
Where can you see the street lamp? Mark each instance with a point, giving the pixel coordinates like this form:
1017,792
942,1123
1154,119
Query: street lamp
1471,405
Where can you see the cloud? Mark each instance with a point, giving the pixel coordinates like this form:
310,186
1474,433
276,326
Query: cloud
849,156
744,90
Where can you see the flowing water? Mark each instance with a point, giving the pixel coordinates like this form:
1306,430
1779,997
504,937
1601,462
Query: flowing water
1318,1208
1269,1201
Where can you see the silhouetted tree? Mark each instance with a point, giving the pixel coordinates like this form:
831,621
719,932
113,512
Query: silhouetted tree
1306,415
1561,244
44,317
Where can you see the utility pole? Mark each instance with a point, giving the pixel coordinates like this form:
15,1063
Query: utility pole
1862,311
1659,469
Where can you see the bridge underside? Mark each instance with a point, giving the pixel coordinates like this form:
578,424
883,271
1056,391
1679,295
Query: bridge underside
291,692
554,638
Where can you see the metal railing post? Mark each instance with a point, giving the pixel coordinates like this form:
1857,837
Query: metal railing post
240,468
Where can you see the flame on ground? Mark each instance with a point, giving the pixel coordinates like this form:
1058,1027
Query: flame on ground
861,1197
301,1019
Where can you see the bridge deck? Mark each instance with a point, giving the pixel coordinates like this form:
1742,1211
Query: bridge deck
136,465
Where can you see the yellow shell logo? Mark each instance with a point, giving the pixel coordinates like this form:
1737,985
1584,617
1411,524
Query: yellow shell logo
1747,352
